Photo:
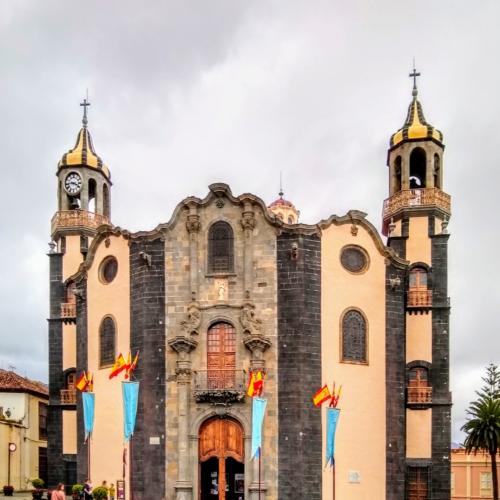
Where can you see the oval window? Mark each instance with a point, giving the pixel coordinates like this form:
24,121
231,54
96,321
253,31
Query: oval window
108,269
354,259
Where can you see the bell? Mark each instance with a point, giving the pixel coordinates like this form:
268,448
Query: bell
75,203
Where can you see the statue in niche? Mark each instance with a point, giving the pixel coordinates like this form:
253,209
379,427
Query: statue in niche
221,288
249,321
192,322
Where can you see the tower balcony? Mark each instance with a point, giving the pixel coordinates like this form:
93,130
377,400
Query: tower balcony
419,298
419,394
415,198
68,310
77,219
68,396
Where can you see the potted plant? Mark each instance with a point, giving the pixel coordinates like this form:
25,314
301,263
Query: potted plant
37,492
77,491
8,490
100,493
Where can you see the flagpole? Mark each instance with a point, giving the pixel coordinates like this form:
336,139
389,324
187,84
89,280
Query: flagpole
130,469
260,466
88,456
333,469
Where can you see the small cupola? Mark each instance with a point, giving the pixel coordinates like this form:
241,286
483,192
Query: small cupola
284,209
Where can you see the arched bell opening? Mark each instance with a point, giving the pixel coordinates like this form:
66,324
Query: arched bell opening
92,195
437,171
417,169
397,174
221,460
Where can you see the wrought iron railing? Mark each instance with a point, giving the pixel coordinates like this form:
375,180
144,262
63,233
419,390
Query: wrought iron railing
77,218
219,385
419,298
416,198
68,396
419,394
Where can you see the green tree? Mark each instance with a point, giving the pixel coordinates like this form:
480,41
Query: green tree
483,424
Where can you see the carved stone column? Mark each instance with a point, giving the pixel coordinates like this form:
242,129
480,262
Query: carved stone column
193,227
183,346
257,344
248,225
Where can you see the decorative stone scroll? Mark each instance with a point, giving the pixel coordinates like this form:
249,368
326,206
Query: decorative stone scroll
248,220
191,324
249,321
183,346
193,224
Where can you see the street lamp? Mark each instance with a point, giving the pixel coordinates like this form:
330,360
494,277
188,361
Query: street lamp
12,449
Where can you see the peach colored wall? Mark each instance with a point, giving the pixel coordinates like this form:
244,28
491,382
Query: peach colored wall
69,346
418,245
69,431
108,299
361,429
419,433
73,257
419,337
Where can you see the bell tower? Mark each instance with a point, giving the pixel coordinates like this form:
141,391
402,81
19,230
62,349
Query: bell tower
84,189
415,219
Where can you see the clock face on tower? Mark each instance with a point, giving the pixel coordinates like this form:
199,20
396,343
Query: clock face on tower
73,183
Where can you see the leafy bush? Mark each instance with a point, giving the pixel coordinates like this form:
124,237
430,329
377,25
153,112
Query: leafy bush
77,489
100,493
8,490
37,483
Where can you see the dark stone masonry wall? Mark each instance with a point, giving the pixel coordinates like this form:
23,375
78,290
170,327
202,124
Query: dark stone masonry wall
440,374
147,335
299,367
81,365
55,469
395,345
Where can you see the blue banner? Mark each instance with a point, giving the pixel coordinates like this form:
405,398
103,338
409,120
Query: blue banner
332,417
258,410
88,399
130,392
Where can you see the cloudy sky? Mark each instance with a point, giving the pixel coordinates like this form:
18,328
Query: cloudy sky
186,93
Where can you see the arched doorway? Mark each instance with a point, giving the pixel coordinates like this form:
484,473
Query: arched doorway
221,456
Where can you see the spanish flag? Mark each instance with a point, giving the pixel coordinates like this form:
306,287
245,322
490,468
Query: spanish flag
83,382
256,383
321,396
119,366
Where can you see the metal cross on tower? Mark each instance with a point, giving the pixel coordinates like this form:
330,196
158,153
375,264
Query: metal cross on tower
85,103
414,75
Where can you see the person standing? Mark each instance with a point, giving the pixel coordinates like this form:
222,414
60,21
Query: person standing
112,492
87,490
58,493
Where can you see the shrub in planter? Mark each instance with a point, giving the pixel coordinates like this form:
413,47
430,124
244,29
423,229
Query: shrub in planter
77,491
8,490
38,488
100,493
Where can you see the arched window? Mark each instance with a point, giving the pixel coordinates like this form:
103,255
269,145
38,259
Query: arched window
419,390
417,168
354,337
437,168
418,293
221,356
290,220
107,339
220,248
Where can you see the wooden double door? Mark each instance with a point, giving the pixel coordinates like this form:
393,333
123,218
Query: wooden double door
221,455
221,356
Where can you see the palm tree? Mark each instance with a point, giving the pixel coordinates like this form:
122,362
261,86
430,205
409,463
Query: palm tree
483,432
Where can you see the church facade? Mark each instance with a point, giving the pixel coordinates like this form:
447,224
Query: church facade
231,285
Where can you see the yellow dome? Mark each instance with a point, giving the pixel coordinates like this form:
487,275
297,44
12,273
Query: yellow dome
84,154
415,126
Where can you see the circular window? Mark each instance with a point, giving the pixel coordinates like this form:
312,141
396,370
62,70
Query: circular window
108,269
354,259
